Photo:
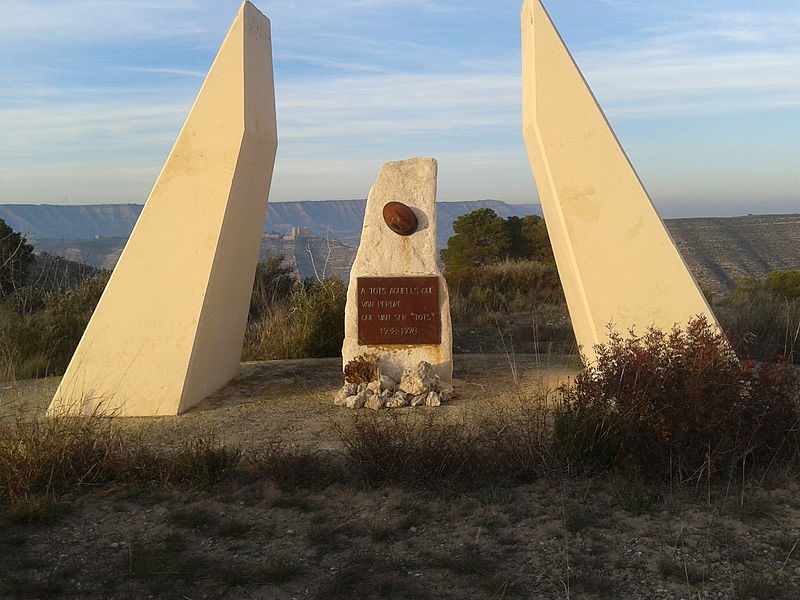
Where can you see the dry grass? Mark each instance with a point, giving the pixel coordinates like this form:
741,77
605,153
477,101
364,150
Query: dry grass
44,458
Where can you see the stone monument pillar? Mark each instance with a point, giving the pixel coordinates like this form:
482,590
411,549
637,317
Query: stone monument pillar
616,260
168,330
398,309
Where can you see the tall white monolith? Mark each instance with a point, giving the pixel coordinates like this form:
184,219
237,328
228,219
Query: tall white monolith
168,330
617,263
398,308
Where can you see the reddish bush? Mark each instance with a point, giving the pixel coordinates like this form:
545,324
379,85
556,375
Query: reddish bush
678,404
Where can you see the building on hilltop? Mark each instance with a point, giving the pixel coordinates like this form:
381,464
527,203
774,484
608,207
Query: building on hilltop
298,233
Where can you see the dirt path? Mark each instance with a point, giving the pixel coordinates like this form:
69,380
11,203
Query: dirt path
292,399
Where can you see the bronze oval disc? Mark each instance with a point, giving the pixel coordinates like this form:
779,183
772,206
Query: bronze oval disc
400,218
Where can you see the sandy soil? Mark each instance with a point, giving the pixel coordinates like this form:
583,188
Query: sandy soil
571,539
292,399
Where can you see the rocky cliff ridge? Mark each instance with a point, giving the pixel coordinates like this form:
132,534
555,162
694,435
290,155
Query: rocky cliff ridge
718,250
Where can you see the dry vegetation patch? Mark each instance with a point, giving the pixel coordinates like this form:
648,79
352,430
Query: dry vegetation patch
299,500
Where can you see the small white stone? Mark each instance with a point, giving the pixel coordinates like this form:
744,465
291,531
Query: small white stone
375,402
399,399
374,387
419,379
417,400
357,401
387,383
433,399
348,389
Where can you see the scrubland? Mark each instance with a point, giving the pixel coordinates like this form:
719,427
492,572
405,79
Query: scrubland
670,470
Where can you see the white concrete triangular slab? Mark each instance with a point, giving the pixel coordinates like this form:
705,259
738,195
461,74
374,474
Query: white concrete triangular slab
617,262
168,330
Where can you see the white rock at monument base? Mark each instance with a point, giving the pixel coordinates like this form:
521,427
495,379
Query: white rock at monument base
387,383
433,399
399,399
374,387
356,401
348,389
419,400
375,402
419,379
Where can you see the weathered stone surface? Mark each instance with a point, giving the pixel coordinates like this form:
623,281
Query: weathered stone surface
398,400
347,390
445,395
418,379
375,402
374,387
433,399
356,401
383,253
417,400
387,383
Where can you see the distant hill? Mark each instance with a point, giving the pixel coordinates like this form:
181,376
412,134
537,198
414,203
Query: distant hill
721,250
311,256
718,250
54,221
336,219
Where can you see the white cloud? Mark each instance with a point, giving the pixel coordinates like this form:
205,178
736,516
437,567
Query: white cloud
166,71
26,21
362,81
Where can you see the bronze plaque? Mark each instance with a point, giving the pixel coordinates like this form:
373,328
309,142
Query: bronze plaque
398,310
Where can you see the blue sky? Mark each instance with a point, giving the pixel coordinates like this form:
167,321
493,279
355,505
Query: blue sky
704,95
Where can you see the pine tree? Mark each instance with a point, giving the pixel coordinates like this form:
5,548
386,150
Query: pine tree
15,256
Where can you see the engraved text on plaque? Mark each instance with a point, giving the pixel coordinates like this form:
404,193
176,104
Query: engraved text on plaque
398,310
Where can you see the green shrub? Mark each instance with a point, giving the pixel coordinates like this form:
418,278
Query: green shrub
41,341
784,284
274,281
510,285
310,324
520,299
482,238
318,312
677,404
16,254
763,317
